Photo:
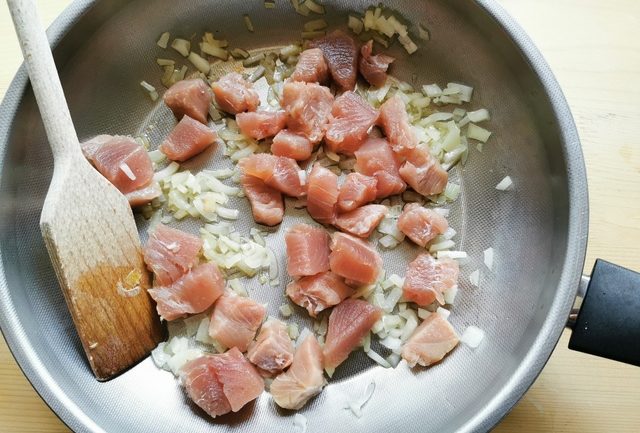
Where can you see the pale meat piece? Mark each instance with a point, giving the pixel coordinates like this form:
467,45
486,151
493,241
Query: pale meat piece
361,221
261,124
420,224
234,94
394,121
187,139
273,349
144,195
307,250
311,67
291,145
235,320
192,293
308,106
427,278
170,253
191,98
375,158
341,54
121,160
266,202
430,342
352,118
357,190
349,323
322,194
424,173
278,172
354,259
203,387
304,379
318,292
374,67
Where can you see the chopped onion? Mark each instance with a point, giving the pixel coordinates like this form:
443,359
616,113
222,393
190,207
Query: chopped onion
423,32
253,60
388,241
472,337
379,359
394,359
285,310
474,277
451,254
391,343
409,46
166,172
182,46
269,4
423,314
488,258
293,330
465,92
165,62
159,355
313,35
239,53
504,184
478,133
163,40
479,115
300,421
151,91
432,90
451,191
450,294
355,24
247,22
443,312
201,64
214,51
315,25
314,7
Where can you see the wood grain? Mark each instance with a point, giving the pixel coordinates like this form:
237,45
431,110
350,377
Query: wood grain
592,49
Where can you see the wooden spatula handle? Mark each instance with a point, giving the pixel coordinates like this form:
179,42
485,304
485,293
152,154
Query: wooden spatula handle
44,79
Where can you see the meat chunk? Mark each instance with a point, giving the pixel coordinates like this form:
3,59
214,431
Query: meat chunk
420,224
304,379
234,94
291,145
170,253
426,179
144,195
261,124
427,278
121,160
322,194
349,323
354,259
307,250
278,172
191,98
309,107
192,293
374,68
430,342
220,384
266,202
361,221
318,292
352,117
395,123
375,158
358,189
311,67
273,349
188,138
341,54
235,320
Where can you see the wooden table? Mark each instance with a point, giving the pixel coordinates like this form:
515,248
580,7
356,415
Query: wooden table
594,51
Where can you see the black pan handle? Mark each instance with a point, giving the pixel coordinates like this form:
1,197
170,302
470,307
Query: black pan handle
608,322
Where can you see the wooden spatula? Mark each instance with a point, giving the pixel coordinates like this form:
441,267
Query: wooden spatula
88,227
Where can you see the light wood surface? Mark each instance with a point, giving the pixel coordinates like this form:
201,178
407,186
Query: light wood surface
594,50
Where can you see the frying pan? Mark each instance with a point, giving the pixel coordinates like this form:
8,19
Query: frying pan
538,229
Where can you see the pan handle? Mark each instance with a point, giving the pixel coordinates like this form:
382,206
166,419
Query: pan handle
607,323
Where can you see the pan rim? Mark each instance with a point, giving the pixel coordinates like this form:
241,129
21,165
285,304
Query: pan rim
531,365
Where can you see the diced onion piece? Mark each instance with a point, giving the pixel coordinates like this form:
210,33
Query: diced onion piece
355,24
293,330
394,359
450,295
247,22
409,46
444,245
397,280
451,254
400,28
311,26
391,343
313,35
151,91
410,326
432,90
451,191
423,314
273,264
465,92
124,167
442,211
504,184
239,53
166,172
443,312
159,356
474,277
366,343
165,62
214,51
476,132
488,257
237,287
201,64
423,33
182,46
379,359
164,40
300,421
314,7
388,241
472,336
253,60
285,310
269,4
479,115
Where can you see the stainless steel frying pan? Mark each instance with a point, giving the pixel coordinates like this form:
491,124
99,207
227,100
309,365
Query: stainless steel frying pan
538,230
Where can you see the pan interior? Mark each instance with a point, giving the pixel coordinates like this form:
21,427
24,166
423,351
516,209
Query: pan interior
112,48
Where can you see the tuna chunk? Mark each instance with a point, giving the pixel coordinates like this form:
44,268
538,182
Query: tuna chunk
278,172
322,194
267,205
362,221
304,379
354,259
358,189
170,253
395,123
307,250
351,121
427,278
427,179
311,67
273,349
234,94
220,384
309,108
144,195
121,160
420,224
188,138
374,68
319,292
235,320
341,54
430,342
375,158
261,124
291,145
192,293
349,323
191,98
